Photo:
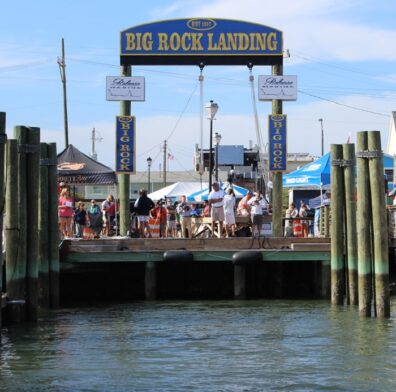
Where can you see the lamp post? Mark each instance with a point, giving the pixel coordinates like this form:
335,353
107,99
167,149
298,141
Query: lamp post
217,140
322,133
211,109
149,162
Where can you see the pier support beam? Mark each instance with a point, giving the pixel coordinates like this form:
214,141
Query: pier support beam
3,139
150,281
380,227
44,290
364,228
337,227
32,176
15,270
350,215
53,229
239,281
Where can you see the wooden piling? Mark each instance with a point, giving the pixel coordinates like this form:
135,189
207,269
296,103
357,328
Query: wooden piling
124,178
239,281
380,228
150,280
277,176
16,276
15,270
3,139
350,215
33,170
363,227
44,291
337,227
53,228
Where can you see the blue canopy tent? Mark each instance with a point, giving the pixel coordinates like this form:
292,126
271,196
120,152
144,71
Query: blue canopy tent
314,174
204,193
317,173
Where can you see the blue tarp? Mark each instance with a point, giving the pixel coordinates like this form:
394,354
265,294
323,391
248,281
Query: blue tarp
317,173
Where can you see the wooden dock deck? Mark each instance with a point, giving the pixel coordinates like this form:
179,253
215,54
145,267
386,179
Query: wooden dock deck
128,250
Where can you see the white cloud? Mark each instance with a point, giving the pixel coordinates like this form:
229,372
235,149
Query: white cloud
310,26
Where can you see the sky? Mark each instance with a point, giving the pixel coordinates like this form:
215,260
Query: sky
343,53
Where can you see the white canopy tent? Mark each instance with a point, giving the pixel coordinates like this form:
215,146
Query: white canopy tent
177,189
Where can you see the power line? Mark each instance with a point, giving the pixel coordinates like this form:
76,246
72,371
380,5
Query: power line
343,104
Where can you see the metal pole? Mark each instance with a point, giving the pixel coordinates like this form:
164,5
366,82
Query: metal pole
217,162
210,155
322,134
149,182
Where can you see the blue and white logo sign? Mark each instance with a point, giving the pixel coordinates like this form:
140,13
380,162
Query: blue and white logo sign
277,155
125,144
199,38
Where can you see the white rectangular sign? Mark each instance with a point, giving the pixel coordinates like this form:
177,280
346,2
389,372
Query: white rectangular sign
277,87
122,88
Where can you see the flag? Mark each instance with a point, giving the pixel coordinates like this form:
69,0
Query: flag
170,156
349,139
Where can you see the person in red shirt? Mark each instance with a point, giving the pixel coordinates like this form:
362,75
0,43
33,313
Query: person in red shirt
159,213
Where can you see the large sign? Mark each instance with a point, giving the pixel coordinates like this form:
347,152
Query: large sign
277,87
122,88
277,154
125,144
201,41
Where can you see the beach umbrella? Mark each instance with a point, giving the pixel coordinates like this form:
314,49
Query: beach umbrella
203,195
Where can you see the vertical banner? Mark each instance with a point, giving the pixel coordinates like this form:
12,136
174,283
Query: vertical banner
125,144
277,154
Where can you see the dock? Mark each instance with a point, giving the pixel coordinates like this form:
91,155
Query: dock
260,267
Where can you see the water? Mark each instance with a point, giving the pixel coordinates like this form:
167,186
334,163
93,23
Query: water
202,346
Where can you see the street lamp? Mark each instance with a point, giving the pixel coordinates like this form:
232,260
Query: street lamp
211,109
217,140
321,127
149,162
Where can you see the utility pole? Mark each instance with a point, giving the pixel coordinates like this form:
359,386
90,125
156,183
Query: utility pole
62,69
164,150
94,155
322,134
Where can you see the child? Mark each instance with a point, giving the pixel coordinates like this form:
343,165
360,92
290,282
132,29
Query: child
80,218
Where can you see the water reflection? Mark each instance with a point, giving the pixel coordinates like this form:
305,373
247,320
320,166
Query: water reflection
201,346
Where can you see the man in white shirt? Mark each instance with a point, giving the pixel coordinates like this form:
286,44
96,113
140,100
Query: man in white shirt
259,208
216,203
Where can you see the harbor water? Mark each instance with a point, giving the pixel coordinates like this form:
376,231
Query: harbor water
201,346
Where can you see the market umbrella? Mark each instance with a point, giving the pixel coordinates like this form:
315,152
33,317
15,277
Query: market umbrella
204,193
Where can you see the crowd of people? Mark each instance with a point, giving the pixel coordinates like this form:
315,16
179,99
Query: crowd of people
175,218
296,223
73,220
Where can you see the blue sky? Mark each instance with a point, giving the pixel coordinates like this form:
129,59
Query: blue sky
343,53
